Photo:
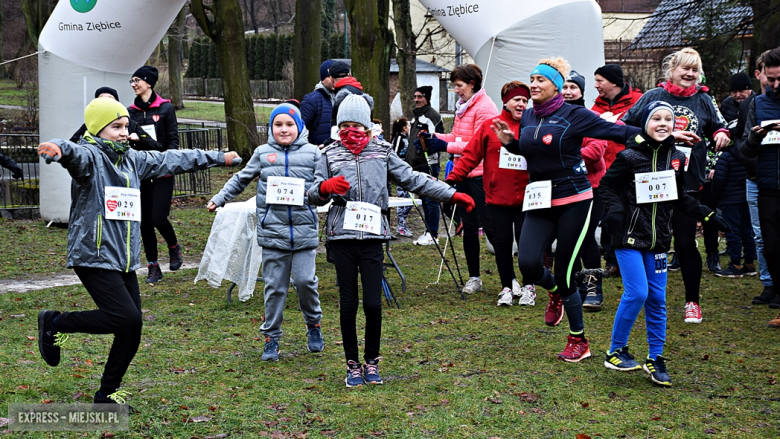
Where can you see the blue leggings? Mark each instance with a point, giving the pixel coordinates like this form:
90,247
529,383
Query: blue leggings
644,285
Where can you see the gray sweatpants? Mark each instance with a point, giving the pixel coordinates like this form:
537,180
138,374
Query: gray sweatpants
277,266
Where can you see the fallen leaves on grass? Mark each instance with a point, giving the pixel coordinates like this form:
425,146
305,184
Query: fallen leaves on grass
528,397
4,422
582,436
107,434
30,337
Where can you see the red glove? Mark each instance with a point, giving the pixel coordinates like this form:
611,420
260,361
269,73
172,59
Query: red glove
464,200
335,185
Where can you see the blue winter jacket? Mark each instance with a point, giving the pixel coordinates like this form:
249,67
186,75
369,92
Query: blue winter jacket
763,107
728,183
552,145
317,109
279,226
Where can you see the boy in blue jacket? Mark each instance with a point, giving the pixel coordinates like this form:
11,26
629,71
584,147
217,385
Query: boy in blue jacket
104,245
286,223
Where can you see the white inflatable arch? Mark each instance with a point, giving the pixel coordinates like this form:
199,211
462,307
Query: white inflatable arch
87,44
507,38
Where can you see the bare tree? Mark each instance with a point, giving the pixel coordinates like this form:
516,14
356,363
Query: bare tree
175,35
221,20
371,43
306,54
406,54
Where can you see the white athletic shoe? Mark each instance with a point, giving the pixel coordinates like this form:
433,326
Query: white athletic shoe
527,296
517,289
505,297
473,285
425,239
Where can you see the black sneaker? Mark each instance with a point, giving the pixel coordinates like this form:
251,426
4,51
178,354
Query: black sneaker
766,296
118,398
713,262
657,371
621,360
176,258
749,269
49,340
314,341
733,271
594,299
155,273
675,264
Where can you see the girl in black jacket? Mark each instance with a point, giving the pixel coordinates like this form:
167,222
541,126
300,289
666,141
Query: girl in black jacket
158,118
641,190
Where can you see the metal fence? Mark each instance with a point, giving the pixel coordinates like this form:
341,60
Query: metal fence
22,148
22,193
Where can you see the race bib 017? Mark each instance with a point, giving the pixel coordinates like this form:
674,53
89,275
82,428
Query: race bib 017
363,217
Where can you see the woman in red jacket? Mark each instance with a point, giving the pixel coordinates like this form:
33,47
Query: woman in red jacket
504,181
589,280
473,109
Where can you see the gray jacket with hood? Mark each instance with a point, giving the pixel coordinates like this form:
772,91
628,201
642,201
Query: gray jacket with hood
367,174
279,226
94,241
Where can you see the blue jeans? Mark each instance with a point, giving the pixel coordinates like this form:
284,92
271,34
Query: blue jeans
644,285
741,234
431,207
752,199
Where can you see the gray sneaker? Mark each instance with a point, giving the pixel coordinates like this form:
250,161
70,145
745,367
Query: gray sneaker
271,349
473,285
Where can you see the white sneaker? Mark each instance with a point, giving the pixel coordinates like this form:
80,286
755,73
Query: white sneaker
473,285
527,296
505,297
517,289
425,239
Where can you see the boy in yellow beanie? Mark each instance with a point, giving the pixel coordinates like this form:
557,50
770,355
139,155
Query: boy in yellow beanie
103,233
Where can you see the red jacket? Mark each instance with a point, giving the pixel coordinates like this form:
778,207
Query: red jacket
619,108
503,187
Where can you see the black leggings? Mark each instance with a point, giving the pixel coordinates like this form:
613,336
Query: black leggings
684,231
507,223
568,224
590,252
710,230
156,198
472,222
365,257
118,299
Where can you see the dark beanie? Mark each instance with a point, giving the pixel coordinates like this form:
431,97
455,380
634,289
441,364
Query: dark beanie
577,79
612,73
108,90
426,91
338,70
148,74
740,81
324,69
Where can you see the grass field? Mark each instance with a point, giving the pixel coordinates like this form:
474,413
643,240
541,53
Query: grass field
452,368
10,94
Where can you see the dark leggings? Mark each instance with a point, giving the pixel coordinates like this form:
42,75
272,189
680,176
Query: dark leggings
118,299
472,221
684,231
365,257
710,230
507,223
590,252
565,223
156,197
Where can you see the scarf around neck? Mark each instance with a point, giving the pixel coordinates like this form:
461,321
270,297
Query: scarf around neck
549,107
678,91
354,139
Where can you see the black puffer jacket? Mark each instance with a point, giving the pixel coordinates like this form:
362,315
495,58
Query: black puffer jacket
729,109
728,183
160,113
646,226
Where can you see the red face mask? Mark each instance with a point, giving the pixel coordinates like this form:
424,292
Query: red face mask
355,139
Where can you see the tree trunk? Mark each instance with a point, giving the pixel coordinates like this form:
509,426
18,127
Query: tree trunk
175,34
406,56
224,25
36,13
306,52
371,42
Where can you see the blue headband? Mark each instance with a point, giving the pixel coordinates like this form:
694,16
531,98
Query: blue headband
550,73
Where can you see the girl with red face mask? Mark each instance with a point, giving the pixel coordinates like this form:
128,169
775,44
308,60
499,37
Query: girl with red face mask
353,173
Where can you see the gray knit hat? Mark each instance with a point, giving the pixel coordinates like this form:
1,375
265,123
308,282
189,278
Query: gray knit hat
354,109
